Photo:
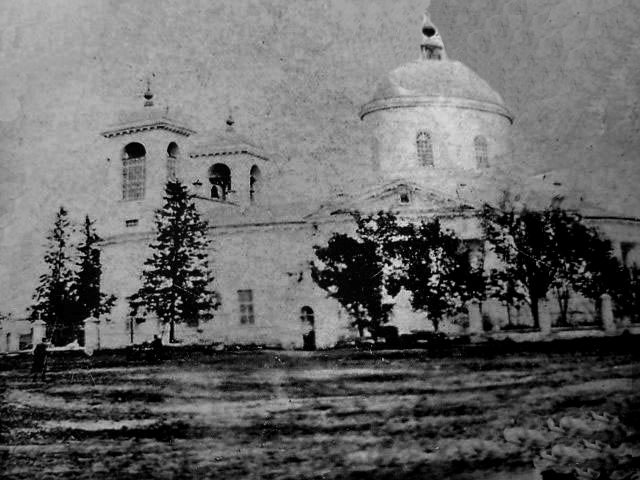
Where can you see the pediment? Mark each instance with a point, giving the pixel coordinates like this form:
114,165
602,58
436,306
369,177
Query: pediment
400,197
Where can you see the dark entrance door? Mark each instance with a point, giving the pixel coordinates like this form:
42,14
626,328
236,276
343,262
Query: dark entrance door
308,321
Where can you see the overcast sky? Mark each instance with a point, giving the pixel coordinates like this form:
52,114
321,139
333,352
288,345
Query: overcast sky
295,75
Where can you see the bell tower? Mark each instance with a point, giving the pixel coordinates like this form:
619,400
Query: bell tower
145,151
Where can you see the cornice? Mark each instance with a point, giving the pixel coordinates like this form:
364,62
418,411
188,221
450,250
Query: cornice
144,127
423,100
232,150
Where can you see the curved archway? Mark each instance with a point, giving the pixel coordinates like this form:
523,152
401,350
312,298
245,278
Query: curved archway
173,150
255,182
220,179
172,158
134,150
133,171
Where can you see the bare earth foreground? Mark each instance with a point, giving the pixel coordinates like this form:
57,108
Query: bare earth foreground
339,414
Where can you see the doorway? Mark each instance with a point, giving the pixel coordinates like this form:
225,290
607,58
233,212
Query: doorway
308,320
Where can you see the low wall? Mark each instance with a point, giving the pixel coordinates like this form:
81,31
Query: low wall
20,335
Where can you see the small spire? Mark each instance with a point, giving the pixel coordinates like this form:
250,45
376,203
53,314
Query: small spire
230,122
148,96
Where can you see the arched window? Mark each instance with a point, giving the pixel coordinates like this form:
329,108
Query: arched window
307,316
172,158
220,179
133,171
255,177
482,151
425,148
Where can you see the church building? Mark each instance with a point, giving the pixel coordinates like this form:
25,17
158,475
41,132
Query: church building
437,131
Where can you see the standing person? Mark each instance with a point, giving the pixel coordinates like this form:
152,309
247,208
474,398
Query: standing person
39,360
156,348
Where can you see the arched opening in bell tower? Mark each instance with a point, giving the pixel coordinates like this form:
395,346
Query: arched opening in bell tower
220,179
172,158
133,171
255,181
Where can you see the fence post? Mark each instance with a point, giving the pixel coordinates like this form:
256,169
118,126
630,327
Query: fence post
38,332
606,314
91,335
475,318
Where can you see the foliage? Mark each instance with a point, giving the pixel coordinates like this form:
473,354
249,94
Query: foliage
176,280
52,300
69,293
351,270
546,251
89,300
520,241
438,271
580,259
365,272
504,288
627,297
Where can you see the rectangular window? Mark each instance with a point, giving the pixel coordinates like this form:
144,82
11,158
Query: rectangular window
245,300
133,178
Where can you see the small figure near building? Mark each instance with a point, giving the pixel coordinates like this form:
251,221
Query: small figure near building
157,349
39,360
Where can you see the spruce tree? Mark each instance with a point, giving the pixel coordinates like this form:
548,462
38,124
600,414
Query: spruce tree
176,279
89,300
53,302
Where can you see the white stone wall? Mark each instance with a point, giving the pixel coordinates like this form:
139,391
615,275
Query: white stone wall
115,211
11,330
272,261
452,132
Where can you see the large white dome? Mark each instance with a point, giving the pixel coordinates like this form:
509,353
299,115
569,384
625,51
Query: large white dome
427,81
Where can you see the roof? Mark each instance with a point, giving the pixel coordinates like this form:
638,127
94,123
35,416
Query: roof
226,214
228,142
384,196
148,118
428,81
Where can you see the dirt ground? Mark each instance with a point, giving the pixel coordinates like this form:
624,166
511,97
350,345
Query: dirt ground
293,415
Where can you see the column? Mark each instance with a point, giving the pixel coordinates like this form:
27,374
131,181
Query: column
606,314
38,332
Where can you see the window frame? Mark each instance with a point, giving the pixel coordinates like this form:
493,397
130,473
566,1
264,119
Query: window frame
246,308
307,315
481,151
424,148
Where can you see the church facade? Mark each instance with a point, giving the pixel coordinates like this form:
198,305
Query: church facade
437,131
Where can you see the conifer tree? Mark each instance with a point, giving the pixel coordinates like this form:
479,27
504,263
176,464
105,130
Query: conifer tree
176,279
90,301
52,299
